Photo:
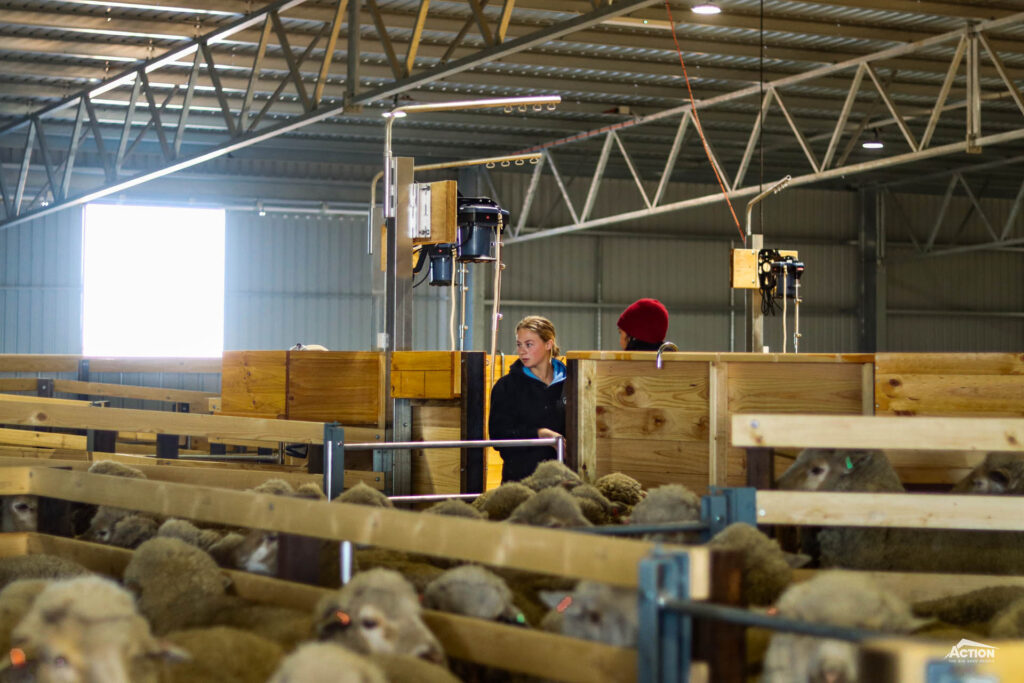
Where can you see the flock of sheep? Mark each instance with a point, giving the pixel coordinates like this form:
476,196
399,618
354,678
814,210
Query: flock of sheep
174,617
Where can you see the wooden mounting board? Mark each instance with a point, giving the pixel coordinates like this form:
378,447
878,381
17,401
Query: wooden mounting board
196,399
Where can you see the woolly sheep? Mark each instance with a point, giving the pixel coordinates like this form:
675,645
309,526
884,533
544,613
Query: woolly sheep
310,490
187,531
121,528
419,570
327,663
115,469
308,347
19,513
552,473
766,569
38,566
594,506
672,503
16,599
498,504
454,507
1001,472
972,609
837,598
594,611
551,507
361,494
620,488
91,626
104,518
473,591
408,668
219,653
1009,622
377,611
895,549
274,487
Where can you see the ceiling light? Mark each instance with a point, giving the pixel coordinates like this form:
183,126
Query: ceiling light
874,143
706,8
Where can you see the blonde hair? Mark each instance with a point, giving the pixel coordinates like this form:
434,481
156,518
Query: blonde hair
543,328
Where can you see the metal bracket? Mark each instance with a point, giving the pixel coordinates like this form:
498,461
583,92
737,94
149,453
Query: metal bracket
334,459
725,506
665,637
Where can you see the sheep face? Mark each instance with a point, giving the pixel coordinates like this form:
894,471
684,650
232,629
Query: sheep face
20,513
999,474
835,469
258,553
378,612
597,612
102,527
475,592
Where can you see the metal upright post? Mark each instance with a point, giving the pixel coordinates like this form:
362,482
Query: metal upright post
665,637
755,318
334,459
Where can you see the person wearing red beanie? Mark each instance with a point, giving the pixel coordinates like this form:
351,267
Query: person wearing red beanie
643,325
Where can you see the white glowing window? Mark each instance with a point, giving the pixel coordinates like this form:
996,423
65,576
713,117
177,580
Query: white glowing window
153,281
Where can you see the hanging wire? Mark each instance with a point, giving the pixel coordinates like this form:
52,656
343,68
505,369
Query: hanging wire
763,115
700,129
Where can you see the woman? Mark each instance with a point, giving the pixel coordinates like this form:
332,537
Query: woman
643,325
528,402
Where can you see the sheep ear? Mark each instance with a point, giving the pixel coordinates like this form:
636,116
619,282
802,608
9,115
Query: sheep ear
855,459
167,651
552,599
797,560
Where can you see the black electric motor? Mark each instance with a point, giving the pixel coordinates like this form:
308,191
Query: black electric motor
478,227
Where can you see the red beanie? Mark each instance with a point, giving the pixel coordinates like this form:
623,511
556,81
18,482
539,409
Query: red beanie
646,320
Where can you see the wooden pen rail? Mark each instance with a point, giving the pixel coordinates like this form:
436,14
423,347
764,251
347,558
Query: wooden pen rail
528,651
46,362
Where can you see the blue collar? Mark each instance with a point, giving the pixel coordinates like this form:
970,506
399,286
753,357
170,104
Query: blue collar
556,365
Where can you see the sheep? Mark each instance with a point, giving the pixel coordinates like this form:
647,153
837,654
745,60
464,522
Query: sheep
274,487
1002,472
19,513
190,533
767,571
16,599
119,527
498,504
326,663
620,488
552,473
221,653
377,611
474,592
837,598
894,549
551,507
594,506
970,609
308,347
455,508
38,566
103,518
1009,622
399,667
310,490
594,611
89,627
115,469
672,503
419,570
361,494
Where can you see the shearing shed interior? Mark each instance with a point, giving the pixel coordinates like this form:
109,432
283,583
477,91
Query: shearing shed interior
512,340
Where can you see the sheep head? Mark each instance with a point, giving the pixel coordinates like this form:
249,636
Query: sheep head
20,513
837,469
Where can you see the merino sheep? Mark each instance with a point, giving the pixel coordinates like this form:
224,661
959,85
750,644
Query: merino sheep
498,504
115,469
274,487
894,549
673,503
473,591
840,599
361,494
1009,622
454,507
220,654
971,610
190,533
1001,473
19,513
595,507
91,626
620,488
310,490
552,507
39,566
308,347
552,473
16,599
326,663
594,611
121,528
377,611
767,570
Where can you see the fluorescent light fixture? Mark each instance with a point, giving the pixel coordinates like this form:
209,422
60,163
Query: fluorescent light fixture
706,8
874,143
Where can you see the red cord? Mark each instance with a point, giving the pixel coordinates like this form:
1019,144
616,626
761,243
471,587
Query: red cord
700,129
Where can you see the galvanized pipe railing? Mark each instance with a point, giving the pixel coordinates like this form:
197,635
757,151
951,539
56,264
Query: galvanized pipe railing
556,442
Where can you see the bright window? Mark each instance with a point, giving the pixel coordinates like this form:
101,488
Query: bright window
153,280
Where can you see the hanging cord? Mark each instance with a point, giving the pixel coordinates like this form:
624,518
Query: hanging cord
700,128
763,114
451,289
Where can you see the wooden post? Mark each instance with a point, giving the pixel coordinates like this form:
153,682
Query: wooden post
584,441
572,418
473,470
298,558
760,464
718,423
721,644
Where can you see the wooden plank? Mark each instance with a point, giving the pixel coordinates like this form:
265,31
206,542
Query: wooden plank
795,388
551,551
255,382
169,364
936,394
426,374
913,510
119,419
718,421
27,362
654,463
731,357
18,384
24,437
949,363
196,399
329,386
436,470
657,423
867,389
17,398
49,454
679,387
906,660
933,433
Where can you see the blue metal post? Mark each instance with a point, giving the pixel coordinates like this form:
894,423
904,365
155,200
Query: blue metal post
665,637
334,459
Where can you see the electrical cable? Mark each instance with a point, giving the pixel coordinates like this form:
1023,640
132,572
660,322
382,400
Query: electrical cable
699,127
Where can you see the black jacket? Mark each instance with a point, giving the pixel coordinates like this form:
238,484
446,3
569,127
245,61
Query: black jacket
520,405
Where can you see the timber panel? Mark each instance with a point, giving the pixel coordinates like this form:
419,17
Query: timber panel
436,470
335,386
426,374
971,384
254,382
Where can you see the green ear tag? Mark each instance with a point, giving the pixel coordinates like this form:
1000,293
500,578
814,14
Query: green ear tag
520,619
849,463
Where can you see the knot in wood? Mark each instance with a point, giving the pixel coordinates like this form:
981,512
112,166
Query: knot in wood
895,382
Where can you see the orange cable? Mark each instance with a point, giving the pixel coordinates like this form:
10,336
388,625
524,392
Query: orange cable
700,129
